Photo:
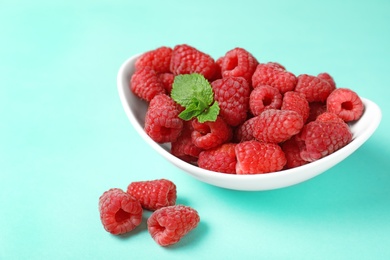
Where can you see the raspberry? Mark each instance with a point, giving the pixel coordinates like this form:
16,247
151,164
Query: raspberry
209,134
316,109
329,117
264,97
320,138
186,60
259,157
245,131
238,62
162,123
219,159
274,75
169,225
232,94
183,147
119,211
146,84
314,88
297,102
346,104
153,194
159,60
328,78
276,126
167,81
292,152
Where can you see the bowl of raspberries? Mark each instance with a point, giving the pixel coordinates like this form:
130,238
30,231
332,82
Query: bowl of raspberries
240,123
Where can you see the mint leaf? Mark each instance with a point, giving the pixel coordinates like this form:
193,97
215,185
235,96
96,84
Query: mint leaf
195,93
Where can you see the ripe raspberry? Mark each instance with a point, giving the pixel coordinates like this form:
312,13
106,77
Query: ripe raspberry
297,102
232,94
169,225
316,109
153,194
209,134
274,75
321,138
276,126
159,60
146,84
329,117
119,211
162,123
346,104
245,131
167,81
238,62
259,157
219,159
292,152
328,78
264,97
314,88
183,147
186,60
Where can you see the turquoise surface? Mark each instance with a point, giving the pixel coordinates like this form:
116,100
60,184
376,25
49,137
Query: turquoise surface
65,139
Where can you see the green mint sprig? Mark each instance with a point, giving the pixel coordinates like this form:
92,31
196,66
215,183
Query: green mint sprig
194,92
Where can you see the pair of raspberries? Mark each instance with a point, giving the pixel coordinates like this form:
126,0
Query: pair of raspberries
268,118
121,212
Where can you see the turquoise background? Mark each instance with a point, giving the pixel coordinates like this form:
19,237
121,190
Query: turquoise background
65,139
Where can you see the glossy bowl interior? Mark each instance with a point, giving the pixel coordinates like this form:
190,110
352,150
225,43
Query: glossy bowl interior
135,110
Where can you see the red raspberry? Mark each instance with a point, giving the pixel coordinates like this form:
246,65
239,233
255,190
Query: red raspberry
321,138
292,151
146,84
232,94
274,75
245,131
276,126
314,88
162,123
159,60
316,109
169,225
187,60
346,104
119,211
209,134
329,117
328,78
167,81
183,147
264,97
238,62
219,159
259,157
297,102
153,194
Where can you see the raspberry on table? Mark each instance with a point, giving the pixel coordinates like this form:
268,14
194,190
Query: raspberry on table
162,123
169,225
315,89
238,62
209,134
153,194
345,103
320,138
187,59
274,75
119,211
183,147
255,157
276,126
264,97
145,83
296,101
232,95
158,59
219,159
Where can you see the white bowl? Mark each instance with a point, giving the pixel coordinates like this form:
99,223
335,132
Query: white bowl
135,110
